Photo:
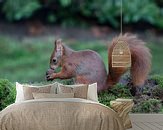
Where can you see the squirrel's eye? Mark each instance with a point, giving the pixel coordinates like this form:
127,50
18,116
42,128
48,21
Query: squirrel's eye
54,60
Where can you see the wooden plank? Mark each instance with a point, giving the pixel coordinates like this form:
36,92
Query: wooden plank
152,126
143,126
136,127
146,121
146,117
158,125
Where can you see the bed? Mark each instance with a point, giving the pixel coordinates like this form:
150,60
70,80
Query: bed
61,114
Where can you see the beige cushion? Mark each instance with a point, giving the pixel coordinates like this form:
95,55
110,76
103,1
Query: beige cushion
29,90
91,93
50,95
80,91
122,108
24,91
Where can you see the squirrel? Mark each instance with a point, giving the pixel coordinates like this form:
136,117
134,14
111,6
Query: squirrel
87,67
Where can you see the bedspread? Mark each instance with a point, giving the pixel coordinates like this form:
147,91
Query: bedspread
59,114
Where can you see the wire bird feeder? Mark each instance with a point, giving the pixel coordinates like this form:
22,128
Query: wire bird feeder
121,56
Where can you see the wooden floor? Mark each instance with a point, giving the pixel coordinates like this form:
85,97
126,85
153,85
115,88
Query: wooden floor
146,121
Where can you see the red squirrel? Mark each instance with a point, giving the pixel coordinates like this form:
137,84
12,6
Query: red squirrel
87,67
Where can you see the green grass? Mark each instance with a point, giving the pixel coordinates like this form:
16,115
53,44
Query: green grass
28,60
23,61
157,58
158,79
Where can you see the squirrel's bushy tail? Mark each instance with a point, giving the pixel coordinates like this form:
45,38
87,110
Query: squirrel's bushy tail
140,57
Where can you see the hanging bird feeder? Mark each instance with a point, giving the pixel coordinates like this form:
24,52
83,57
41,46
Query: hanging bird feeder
121,56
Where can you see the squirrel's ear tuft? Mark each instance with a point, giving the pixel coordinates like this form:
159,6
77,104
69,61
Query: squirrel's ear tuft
58,42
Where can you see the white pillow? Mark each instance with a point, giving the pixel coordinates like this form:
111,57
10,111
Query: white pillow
20,90
19,93
92,92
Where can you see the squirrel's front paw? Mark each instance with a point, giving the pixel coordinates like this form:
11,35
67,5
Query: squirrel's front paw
49,78
49,75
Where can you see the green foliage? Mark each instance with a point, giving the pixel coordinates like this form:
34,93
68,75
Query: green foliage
7,93
51,18
148,106
105,97
121,90
101,11
118,91
158,91
65,3
104,10
18,9
143,104
158,79
135,11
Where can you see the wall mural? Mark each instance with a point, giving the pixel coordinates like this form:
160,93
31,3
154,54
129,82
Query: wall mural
87,66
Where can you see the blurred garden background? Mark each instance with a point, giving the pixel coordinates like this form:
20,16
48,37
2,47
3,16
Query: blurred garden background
28,29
